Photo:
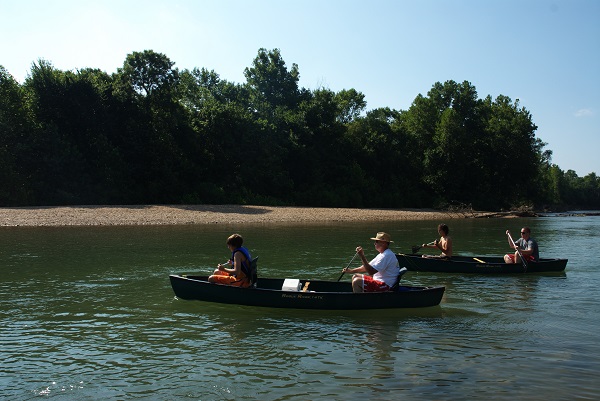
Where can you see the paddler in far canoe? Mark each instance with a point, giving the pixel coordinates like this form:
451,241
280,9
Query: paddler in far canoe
525,246
444,244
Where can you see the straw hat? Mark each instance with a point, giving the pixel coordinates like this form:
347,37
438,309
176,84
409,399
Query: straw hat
381,236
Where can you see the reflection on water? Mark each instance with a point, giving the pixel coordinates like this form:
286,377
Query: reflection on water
88,313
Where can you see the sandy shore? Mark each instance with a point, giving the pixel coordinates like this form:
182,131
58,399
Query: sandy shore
203,214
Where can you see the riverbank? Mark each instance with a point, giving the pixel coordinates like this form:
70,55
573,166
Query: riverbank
207,214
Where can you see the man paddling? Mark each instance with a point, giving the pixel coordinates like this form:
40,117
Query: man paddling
382,271
526,245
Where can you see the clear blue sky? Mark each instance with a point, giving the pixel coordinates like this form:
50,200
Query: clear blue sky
546,53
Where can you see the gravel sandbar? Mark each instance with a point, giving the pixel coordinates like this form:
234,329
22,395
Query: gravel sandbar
202,214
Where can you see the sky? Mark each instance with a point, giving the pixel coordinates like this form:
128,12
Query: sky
545,53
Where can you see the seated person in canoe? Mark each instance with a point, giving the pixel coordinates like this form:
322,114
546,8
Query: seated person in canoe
237,275
526,245
382,271
444,244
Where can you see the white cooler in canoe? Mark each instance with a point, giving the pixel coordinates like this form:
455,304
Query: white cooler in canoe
291,284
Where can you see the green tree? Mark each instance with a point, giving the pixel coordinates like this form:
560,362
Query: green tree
319,165
351,104
76,160
457,144
16,127
149,72
472,149
273,98
446,132
381,149
272,84
515,155
160,144
152,134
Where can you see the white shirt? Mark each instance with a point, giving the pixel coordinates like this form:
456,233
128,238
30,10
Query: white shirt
386,264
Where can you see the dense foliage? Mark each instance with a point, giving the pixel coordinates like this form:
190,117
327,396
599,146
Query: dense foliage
152,134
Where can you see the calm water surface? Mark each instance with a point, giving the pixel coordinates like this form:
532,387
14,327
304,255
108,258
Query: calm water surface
88,313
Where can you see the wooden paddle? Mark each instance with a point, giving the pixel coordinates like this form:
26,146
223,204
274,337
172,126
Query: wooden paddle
344,271
517,249
415,248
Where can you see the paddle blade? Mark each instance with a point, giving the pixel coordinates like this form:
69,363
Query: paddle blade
415,248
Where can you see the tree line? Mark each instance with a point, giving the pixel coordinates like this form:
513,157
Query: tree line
152,134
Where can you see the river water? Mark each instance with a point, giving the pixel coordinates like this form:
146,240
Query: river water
88,313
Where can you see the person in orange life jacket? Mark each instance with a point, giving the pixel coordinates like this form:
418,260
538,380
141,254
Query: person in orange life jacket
527,245
444,244
239,262
382,271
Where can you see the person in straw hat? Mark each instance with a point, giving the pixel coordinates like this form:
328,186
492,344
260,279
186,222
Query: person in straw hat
382,271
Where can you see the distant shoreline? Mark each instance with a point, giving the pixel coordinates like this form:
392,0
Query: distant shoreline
101,215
